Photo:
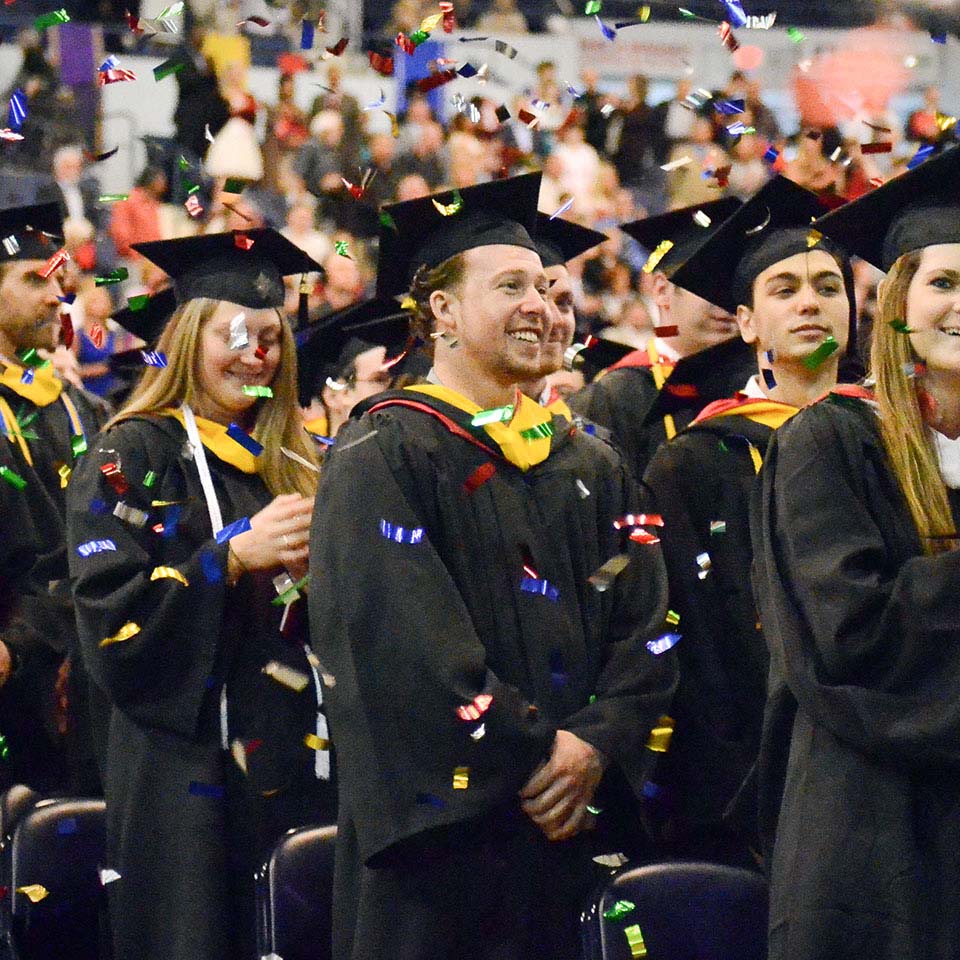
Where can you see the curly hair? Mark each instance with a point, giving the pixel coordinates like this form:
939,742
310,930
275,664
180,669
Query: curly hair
425,281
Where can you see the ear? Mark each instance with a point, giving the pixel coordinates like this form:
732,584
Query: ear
661,289
745,320
445,306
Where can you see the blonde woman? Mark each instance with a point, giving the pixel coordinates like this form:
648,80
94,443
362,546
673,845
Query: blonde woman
857,577
189,516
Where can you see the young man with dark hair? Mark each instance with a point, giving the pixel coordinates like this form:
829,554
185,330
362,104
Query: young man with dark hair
481,615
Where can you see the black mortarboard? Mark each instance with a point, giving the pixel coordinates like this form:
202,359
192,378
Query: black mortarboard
775,223
30,233
560,240
415,233
335,340
920,208
681,228
594,355
245,267
147,321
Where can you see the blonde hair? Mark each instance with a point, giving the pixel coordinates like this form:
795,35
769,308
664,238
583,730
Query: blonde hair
906,439
278,421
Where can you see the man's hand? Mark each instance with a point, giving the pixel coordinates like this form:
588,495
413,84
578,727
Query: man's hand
555,798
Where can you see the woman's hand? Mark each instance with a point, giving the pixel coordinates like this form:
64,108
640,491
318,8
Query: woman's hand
279,536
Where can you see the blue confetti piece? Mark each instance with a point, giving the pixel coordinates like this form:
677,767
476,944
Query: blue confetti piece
768,378
170,520
608,32
663,644
730,108
922,154
306,35
99,507
67,298
153,358
111,63
18,110
938,37
542,587
590,429
67,827
95,546
212,790
467,70
393,531
233,530
771,154
27,376
430,800
210,566
735,12
651,791
323,441
239,435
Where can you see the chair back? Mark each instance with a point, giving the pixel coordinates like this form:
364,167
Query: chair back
684,911
295,896
59,846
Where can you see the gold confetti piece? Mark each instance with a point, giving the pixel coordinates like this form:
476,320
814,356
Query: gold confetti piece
408,303
660,735
35,892
449,209
663,248
813,238
65,473
604,577
169,573
127,631
430,23
165,503
945,122
675,164
635,938
461,778
238,751
316,743
286,676
672,617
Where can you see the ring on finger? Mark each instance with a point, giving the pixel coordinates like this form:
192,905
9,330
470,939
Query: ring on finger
286,540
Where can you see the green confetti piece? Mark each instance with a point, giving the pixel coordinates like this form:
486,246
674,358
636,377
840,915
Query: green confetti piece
342,248
291,593
795,34
29,357
687,14
168,67
672,617
619,910
418,37
150,479
900,326
51,19
387,220
78,444
112,197
592,7
183,162
234,185
193,189
114,276
13,478
596,811
256,391
540,432
717,526
494,415
593,698
174,10
816,358
635,938
135,304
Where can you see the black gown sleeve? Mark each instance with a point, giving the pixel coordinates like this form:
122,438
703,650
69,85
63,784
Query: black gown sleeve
160,675
867,637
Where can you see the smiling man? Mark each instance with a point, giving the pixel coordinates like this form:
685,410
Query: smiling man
47,424
488,678
792,293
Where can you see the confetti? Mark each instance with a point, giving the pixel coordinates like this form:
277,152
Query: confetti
211,790
735,11
663,644
153,358
239,435
12,477
115,76
509,52
449,209
828,347
398,534
95,546
383,65
771,154
35,892
938,37
717,527
727,37
900,326
660,735
494,415
169,573
922,154
286,676
342,249
538,586
132,515
241,241
126,632
51,19
108,875
914,369
704,563
337,49
884,146
638,520
53,264
502,113
290,591
479,733
193,206
260,353
476,708
608,32
461,778
676,164
603,578
11,245
768,378
210,566
112,197
18,110
239,339
541,431
662,249
479,476
730,107
168,67
117,275
635,940
233,530
561,210
426,84
252,390
114,476
316,743
619,910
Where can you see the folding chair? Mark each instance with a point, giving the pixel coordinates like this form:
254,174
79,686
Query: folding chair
295,896
678,911
15,801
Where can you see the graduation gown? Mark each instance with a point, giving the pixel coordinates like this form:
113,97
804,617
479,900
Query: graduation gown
644,399
163,635
862,732
444,575
44,421
701,482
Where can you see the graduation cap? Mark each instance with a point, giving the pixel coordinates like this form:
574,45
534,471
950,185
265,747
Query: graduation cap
147,321
774,224
429,230
326,347
919,208
245,267
30,233
559,241
683,228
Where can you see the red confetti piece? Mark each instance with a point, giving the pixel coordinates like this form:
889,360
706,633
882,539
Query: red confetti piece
449,17
479,476
242,241
115,478
436,80
95,333
876,181
405,43
727,37
383,65
54,264
528,118
339,47
639,520
193,205
670,331
118,75
476,709
355,191
7,134
133,22
641,536
66,329
885,146
686,390
260,353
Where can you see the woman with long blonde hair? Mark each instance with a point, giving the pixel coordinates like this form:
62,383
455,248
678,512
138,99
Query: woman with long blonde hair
188,526
857,574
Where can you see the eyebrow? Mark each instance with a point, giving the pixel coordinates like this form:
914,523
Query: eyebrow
788,275
953,274
519,272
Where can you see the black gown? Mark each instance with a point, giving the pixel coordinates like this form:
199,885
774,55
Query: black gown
36,609
640,416
186,827
419,604
701,483
862,732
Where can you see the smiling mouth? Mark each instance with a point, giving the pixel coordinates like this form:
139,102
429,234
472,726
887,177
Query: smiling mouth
525,336
950,331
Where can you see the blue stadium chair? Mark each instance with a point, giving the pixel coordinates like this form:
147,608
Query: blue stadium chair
295,896
60,845
685,911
